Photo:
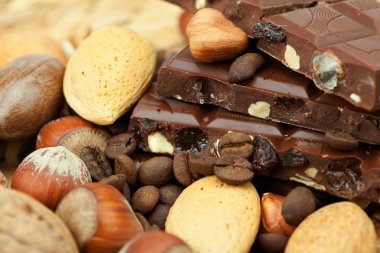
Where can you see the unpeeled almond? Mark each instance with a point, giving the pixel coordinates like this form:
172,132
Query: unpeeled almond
339,227
211,216
108,73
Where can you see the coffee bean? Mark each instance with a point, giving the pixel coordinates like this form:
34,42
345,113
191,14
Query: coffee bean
169,193
235,143
341,141
96,163
156,171
121,144
159,215
143,221
199,166
298,204
145,199
181,169
127,192
264,156
125,165
117,181
271,242
244,67
233,169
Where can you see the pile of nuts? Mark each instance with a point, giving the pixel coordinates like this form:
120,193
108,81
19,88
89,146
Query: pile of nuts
86,187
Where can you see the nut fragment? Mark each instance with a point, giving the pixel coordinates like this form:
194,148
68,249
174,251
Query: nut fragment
328,71
291,57
158,143
259,109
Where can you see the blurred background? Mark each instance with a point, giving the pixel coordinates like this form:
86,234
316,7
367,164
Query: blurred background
154,19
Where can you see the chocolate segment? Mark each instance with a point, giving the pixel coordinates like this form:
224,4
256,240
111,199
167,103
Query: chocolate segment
159,121
336,45
275,93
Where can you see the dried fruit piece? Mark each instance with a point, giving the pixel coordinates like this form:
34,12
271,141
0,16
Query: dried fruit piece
268,31
264,156
294,158
191,139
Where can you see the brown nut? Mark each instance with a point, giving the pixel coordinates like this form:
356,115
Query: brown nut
99,218
30,95
273,221
212,37
28,226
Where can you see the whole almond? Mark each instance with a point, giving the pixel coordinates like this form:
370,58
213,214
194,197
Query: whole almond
339,227
212,216
108,72
20,43
30,95
212,37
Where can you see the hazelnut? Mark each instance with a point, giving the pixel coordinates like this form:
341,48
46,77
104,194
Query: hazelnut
156,242
52,132
48,174
259,109
99,217
212,37
28,226
292,59
273,221
158,143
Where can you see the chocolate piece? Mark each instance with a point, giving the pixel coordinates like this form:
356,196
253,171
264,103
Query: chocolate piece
336,45
275,93
246,13
343,174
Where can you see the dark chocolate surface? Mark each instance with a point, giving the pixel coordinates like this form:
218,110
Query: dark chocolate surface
293,98
197,128
348,33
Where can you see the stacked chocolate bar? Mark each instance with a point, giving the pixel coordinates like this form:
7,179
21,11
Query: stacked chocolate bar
311,108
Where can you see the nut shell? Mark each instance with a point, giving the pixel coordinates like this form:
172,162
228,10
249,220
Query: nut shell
48,174
30,95
28,226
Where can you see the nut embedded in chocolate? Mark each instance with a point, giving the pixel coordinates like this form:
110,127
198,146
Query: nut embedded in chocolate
244,67
267,31
233,169
235,143
327,70
121,144
264,155
96,162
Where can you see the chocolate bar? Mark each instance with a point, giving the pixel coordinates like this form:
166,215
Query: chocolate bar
336,45
284,95
171,126
246,13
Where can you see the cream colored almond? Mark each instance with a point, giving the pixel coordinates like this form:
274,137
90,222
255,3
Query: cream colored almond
108,73
214,217
339,227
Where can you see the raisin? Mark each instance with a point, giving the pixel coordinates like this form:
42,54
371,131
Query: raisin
294,158
344,178
264,156
193,140
268,31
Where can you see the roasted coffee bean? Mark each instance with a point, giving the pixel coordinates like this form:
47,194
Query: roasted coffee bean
341,141
96,163
199,166
143,221
267,31
235,143
169,193
159,215
127,192
271,242
298,204
121,144
117,181
156,171
264,156
233,169
244,67
125,165
294,158
145,199
181,169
